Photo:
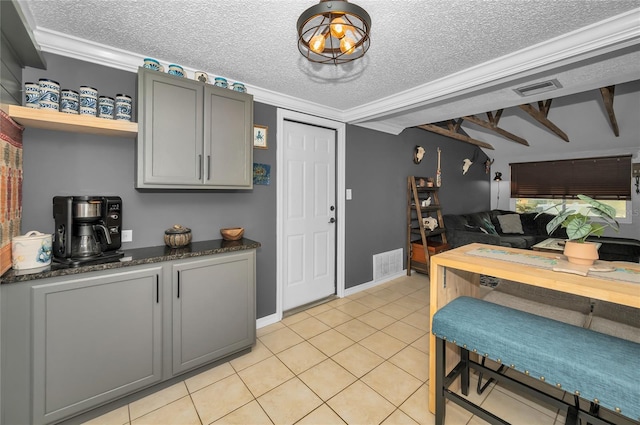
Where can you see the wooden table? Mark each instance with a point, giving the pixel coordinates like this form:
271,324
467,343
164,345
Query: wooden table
456,273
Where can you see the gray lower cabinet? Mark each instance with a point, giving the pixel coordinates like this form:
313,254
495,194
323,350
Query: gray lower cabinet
73,343
94,339
192,135
213,308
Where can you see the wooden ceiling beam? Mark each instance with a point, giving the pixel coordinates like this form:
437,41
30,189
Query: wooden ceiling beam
454,135
541,117
607,98
492,125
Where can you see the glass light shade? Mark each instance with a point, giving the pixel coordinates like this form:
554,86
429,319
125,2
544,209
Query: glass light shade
317,43
347,45
338,28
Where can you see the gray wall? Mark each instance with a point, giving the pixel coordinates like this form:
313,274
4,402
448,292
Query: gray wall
378,165
61,163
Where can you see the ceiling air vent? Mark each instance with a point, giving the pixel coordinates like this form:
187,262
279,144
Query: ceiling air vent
537,88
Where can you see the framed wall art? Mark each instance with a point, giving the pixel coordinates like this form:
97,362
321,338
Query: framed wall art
260,136
261,174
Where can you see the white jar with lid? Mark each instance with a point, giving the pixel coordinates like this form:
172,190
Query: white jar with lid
31,251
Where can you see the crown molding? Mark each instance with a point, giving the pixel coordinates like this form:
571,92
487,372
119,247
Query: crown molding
383,126
101,54
606,36
597,39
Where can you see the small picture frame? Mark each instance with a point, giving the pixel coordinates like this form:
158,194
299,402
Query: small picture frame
260,136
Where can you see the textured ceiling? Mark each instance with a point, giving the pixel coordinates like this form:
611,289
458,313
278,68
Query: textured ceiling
413,44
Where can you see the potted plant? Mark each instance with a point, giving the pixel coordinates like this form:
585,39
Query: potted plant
580,226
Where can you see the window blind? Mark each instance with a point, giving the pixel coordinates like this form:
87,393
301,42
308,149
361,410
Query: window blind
599,178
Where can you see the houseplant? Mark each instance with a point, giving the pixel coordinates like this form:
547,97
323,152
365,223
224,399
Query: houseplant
579,226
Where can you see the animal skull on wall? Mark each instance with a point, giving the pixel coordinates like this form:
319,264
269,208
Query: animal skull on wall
487,165
418,154
466,163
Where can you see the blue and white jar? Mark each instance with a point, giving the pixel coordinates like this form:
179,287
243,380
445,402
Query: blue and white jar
123,107
88,101
151,63
239,87
220,82
32,95
105,107
69,101
176,70
49,94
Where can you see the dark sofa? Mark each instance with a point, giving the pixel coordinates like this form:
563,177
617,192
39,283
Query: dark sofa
485,227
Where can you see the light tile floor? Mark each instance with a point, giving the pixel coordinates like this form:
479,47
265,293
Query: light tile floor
362,359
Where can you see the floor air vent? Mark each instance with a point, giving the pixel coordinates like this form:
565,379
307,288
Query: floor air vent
537,88
387,264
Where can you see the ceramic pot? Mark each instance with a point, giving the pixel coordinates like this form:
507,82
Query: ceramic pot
177,236
585,253
31,251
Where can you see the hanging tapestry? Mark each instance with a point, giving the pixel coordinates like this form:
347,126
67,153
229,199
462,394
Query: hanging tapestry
10,186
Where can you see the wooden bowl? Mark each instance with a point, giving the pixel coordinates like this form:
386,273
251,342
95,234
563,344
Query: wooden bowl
232,233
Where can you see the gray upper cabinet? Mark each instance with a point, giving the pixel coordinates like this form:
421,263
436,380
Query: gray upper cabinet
192,135
94,339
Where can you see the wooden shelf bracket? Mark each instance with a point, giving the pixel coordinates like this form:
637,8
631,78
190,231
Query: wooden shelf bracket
540,115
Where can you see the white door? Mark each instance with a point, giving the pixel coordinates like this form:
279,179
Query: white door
309,200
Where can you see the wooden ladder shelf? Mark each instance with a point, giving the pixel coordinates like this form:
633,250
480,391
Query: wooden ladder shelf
422,242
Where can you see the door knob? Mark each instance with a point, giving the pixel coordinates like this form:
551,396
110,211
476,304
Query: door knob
332,220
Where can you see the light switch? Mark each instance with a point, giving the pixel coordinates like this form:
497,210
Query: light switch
349,195
127,236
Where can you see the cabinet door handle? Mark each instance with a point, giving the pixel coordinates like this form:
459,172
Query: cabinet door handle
199,167
157,289
208,167
178,284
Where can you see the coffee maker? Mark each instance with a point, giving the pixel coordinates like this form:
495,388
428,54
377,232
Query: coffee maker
88,229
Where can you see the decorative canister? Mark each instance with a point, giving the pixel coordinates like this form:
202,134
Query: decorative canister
88,100
220,82
177,236
105,107
69,101
176,70
31,251
201,76
49,94
238,87
123,107
151,63
32,95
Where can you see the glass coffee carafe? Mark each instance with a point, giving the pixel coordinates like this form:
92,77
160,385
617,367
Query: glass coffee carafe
84,242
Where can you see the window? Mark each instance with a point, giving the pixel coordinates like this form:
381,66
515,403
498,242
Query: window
522,205
599,178
536,186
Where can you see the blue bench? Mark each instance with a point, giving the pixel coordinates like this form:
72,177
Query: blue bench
596,367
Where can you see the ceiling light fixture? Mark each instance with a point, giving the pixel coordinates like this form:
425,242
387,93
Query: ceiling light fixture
334,31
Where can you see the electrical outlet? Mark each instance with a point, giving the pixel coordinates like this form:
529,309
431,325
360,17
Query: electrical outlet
127,236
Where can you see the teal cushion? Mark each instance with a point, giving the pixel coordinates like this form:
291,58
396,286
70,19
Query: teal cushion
595,365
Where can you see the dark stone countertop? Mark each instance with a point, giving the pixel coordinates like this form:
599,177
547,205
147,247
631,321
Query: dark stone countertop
154,254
